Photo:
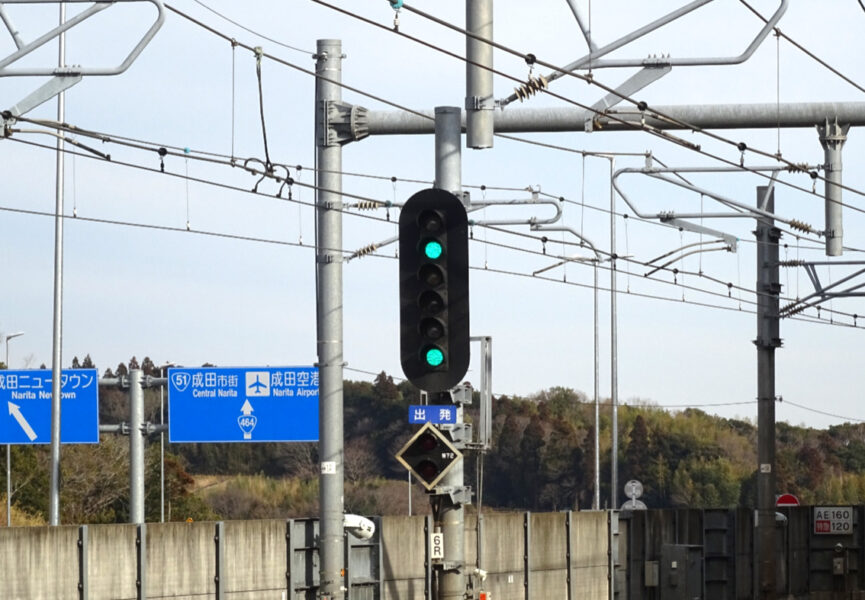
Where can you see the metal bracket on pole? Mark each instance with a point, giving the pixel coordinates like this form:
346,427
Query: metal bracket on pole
639,80
731,240
461,434
48,90
535,199
343,123
119,428
832,138
151,382
462,394
149,428
459,495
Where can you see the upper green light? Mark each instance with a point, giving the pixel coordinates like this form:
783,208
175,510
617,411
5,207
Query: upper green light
434,357
432,249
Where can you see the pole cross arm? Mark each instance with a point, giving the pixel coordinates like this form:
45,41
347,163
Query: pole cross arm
25,48
685,117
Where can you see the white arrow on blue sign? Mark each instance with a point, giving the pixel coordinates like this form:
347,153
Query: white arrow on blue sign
255,404
25,406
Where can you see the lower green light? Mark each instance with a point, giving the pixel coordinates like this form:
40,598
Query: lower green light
432,249
434,357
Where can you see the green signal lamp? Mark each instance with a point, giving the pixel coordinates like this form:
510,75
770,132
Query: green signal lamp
432,249
434,357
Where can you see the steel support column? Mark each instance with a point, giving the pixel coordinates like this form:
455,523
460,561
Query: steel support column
328,258
136,446
451,515
832,138
480,103
768,338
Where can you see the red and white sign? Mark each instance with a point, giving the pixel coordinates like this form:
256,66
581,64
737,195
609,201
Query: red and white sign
787,500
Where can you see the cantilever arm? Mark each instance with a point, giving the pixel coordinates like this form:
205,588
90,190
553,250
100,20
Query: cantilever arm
27,48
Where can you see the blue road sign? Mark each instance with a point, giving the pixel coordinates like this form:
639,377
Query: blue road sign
25,407
438,414
255,404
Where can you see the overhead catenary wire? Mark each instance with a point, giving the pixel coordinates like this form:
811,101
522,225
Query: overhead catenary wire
643,405
658,133
804,50
314,74
226,162
509,232
593,81
739,145
234,188
821,412
215,157
251,239
292,65
252,31
211,157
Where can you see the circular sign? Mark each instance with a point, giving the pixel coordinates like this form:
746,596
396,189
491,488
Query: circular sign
633,489
787,500
634,504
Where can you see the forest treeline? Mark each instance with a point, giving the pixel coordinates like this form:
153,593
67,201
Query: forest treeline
542,459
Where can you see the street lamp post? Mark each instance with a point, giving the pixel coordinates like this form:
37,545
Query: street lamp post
162,441
9,447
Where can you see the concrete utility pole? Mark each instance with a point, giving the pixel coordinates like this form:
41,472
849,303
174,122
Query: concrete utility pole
768,338
328,264
450,515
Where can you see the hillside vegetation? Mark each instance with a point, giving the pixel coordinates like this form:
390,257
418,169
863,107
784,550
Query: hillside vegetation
541,460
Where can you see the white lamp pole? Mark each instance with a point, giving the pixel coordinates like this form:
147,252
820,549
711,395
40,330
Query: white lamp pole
162,443
9,447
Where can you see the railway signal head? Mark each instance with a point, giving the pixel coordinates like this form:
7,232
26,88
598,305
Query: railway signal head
434,290
429,455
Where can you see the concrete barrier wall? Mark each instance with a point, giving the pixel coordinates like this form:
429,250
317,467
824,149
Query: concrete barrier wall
255,560
180,559
111,558
589,559
403,549
39,562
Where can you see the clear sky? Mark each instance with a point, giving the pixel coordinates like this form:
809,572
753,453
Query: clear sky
144,273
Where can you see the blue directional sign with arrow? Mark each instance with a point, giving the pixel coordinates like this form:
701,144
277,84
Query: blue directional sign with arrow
255,404
25,407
